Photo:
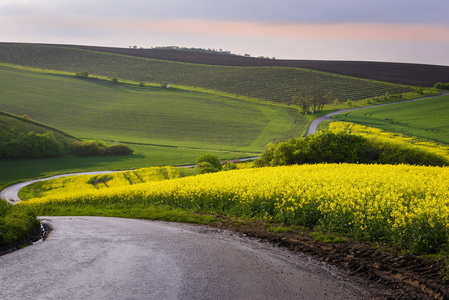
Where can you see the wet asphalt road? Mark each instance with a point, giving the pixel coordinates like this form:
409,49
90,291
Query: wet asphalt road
111,258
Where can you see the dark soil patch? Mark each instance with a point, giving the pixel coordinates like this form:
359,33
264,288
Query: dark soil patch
400,73
406,276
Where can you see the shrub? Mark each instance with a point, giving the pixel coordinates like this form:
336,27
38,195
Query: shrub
96,148
419,90
211,159
82,75
229,166
342,147
114,80
205,167
441,86
395,153
30,145
322,147
119,149
93,148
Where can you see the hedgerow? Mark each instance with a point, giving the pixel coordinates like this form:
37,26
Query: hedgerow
29,145
342,147
96,148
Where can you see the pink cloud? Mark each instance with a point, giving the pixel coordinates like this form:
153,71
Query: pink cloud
339,31
351,31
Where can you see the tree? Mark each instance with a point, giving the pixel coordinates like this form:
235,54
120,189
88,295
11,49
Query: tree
319,98
303,101
205,167
313,102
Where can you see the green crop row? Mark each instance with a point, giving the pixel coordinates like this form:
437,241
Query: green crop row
277,84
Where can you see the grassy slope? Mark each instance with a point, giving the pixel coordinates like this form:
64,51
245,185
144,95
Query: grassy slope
23,125
173,126
97,109
277,84
424,118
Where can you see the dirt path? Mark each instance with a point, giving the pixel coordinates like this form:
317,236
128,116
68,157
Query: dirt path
314,124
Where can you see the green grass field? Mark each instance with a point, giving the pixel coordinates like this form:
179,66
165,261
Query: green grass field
163,126
427,118
266,83
98,109
144,156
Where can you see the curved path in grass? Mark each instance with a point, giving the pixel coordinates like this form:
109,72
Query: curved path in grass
314,124
11,193
114,258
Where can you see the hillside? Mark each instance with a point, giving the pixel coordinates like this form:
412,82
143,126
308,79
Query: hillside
99,109
399,73
10,122
276,84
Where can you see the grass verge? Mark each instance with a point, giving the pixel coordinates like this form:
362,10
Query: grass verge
18,226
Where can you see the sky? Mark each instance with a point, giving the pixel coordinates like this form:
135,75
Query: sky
411,31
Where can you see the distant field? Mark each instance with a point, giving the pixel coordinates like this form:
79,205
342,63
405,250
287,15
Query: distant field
96,109
426,118
400,73
277,84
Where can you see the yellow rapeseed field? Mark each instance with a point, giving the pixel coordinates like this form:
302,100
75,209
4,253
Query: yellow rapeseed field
403,205
379,134
86,183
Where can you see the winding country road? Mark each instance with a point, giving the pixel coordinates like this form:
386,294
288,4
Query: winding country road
112,258
11,193
314,124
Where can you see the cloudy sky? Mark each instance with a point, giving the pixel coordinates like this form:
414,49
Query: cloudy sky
415,31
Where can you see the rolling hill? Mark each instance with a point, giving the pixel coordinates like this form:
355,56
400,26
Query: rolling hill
100,109
276,84
163,126
399,73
